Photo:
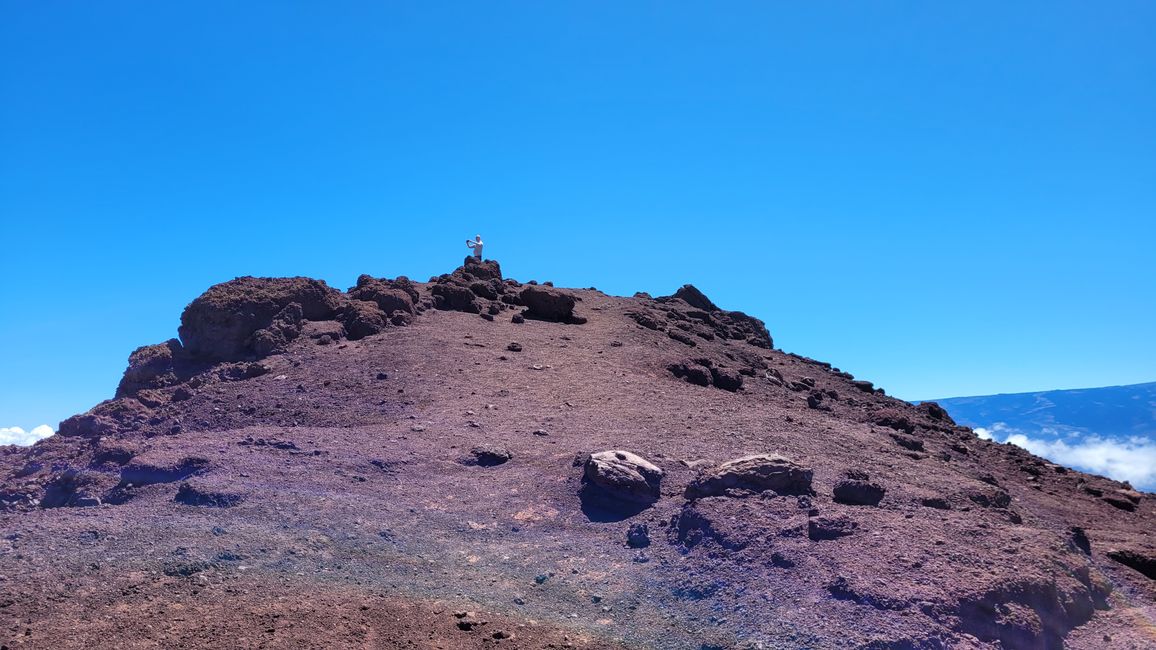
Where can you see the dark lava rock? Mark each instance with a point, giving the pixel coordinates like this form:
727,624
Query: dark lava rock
890,417
1145,563
282,330
858,492
191,495
752,474
74,488
624,476
726,378
907,442
453,297
88,425
484,290
472,268
147,473
828,528
489,456
388,295
219,324
936,412
362,318
152,366
514,347
550,304
689,294
692,372
638,536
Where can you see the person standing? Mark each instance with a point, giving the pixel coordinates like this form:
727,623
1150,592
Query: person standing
476,244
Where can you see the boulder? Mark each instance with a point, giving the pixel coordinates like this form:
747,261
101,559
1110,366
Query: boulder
362,318
548,303
473,268
624,476
220,323
690,294
750,474
390,295
453,297
692,371
726,378
151,366
857,492
487,456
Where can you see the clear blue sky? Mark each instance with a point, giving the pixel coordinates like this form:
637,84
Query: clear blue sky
944,198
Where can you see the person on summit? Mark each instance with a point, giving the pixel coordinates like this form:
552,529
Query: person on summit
476,244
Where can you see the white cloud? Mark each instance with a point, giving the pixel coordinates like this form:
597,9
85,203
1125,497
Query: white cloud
1124,460
18,436
1132,459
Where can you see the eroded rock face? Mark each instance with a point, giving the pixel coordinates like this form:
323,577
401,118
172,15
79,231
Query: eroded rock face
220,323
752,474
624,475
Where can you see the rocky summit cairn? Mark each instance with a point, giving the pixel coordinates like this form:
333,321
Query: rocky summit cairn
415,455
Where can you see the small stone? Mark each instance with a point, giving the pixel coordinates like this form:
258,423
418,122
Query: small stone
638,536
514,347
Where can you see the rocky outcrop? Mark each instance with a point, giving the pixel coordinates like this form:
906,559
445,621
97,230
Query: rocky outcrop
751,475
625,476
219,324
691,305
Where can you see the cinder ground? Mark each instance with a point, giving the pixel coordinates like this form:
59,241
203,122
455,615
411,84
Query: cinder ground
337,510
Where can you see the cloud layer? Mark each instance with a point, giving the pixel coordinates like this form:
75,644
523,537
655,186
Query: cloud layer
1127,459
18,436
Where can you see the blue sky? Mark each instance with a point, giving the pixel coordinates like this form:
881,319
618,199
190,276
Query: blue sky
947,199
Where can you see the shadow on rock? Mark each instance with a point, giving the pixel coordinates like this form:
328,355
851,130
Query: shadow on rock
600,506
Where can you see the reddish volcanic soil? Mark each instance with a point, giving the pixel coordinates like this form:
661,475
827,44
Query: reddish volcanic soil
404,465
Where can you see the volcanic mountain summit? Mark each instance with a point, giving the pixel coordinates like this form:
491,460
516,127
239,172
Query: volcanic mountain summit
475,461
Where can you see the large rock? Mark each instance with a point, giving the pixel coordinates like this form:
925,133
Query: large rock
454,297
857,492
220,323
362,318
473,268
690,294
151,366
757,473
390,295
548,303
624,476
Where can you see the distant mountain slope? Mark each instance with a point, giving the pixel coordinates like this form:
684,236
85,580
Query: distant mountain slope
1109,431
1113,411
